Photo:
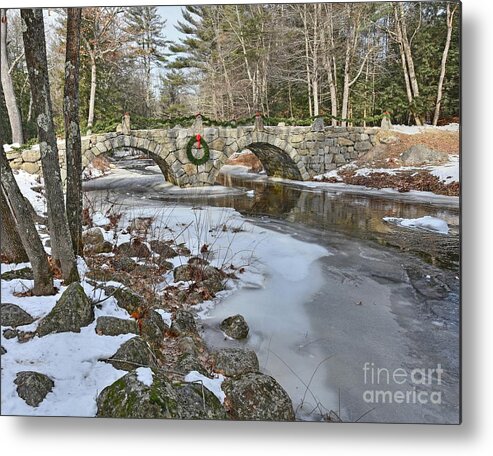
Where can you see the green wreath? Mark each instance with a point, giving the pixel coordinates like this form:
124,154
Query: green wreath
205,147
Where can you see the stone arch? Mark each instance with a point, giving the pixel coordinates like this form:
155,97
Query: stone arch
278,157
153,149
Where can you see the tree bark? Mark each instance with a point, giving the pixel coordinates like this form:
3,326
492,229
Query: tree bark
72,129
450,23
8,88
12,250
35,50
43,280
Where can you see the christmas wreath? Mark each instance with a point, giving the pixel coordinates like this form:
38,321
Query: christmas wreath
201,144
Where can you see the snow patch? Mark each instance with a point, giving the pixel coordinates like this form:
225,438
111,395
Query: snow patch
414,130
427,223
166,316
144,375
212,384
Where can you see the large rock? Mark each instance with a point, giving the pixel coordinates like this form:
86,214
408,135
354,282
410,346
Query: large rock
183,323
162,249
153,327
31,156
112,326
129,397
132,354
93,236
72,312
258,397
127,299
197,273
12,315
188,362
33,387
420,154
135,248
233,362
235,327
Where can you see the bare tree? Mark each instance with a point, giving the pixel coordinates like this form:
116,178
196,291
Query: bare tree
450,24
35,51
8,88
72,129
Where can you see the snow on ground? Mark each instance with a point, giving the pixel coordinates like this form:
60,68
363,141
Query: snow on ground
427,223
449,172
413,129
213,385
26,182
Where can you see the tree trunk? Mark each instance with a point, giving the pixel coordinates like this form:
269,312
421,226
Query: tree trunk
92,96
11,250
35,51
8,87
450,23
43,280
72,129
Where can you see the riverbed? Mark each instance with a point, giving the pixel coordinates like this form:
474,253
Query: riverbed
359,334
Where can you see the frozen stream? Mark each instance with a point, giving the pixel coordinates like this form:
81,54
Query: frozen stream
358,332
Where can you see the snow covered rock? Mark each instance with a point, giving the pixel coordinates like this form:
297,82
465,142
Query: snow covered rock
130,398
235,327
427,222
33,387
72,312
420,154
12,315
113,326
257,397
132,354
233,362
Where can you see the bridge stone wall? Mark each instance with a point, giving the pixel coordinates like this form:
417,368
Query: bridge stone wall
296,153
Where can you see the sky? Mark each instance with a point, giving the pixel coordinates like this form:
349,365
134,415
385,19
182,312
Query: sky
172,14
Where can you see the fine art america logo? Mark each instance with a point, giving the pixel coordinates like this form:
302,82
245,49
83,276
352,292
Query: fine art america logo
399,386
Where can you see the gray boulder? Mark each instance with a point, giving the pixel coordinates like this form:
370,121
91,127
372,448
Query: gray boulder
9,333
233,362
135,248
130,398
420,154
235,327
13,315
197,273
33,387
127,299
72,312
93,236
94,249
2,350
188,362
112,326
257,397
124,264
132,354
162,249
153,328
184,323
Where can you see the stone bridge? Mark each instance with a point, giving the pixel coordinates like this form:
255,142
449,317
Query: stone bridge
296,153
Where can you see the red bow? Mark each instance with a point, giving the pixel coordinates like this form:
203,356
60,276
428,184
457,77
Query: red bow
198,140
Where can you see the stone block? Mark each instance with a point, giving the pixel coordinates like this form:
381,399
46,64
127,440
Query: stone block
30,167
31,156
362,145
342,141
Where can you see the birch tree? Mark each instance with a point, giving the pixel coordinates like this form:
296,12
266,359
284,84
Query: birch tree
443,66
7,85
